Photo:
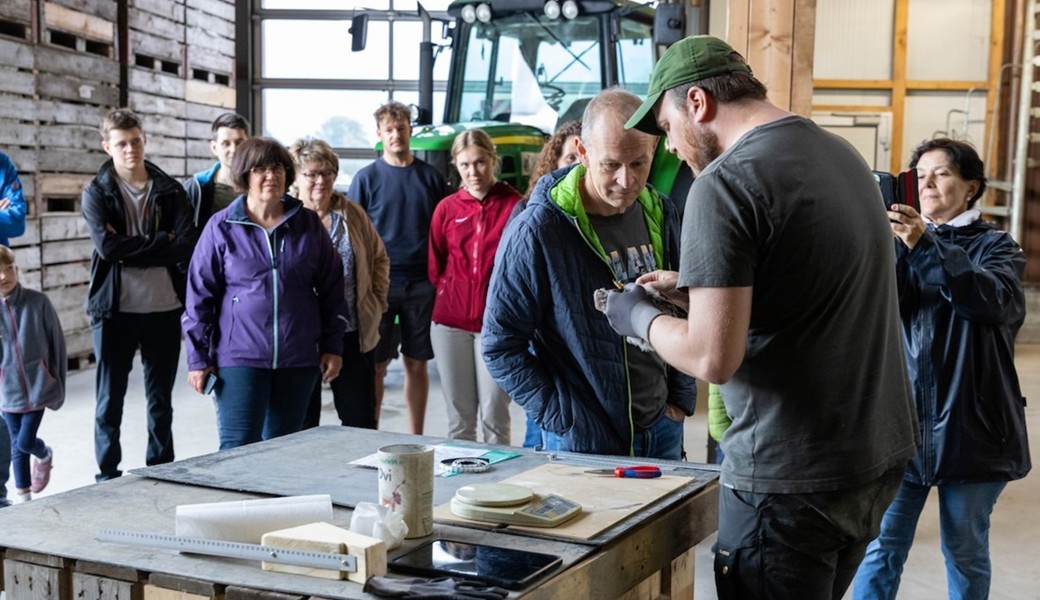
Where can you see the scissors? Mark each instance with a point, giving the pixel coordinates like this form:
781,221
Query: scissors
640,472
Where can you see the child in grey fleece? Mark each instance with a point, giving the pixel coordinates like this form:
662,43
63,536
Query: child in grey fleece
33,365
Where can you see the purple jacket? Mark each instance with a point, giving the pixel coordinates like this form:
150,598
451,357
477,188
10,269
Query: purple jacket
268,301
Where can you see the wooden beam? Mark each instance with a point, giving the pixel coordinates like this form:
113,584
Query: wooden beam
777,37
898,100
851,108
996,58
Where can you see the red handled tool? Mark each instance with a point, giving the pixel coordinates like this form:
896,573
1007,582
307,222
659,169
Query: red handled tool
640,472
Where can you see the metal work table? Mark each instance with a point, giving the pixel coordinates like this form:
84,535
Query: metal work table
651,549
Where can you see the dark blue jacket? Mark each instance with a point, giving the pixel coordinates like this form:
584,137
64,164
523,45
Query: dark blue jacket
961,303
576,383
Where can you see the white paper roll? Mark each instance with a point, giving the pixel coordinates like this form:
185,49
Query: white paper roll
248,520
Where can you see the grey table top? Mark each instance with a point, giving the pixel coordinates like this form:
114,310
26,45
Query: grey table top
313,461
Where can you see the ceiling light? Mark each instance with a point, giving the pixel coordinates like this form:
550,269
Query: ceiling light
484,13
570,9
469,14
552,9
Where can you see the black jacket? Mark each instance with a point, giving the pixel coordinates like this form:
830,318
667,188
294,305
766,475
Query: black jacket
168,242
961,302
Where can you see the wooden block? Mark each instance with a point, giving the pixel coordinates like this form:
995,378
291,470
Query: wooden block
173,11
17,107
106,9
72,21
153,24
326,537
54,185
62,275
35,582
63,87
17,10
16,54
209,93
30,279
93,587
156,593
224,9
88,67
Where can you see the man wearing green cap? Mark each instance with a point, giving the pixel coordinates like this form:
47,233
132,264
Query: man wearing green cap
786,266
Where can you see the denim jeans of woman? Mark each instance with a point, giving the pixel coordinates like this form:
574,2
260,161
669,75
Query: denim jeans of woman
964,520
261,404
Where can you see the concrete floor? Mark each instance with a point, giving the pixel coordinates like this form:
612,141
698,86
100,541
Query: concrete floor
1016,519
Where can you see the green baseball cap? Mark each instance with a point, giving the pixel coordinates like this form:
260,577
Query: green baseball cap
690,59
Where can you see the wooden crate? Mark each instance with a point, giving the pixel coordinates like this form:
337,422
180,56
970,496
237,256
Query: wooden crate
37,576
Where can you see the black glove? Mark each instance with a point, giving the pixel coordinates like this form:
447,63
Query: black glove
440,588
630,311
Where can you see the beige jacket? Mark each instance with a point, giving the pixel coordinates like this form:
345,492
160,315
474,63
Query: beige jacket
371,269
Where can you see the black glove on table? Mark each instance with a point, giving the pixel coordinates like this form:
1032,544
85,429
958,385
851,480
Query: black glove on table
440,588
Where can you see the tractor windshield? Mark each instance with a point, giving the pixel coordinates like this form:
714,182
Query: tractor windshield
526,68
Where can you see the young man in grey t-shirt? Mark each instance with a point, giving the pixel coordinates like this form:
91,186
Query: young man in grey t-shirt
787,270
140,223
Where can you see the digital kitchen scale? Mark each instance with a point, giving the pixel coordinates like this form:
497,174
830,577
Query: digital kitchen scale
512,505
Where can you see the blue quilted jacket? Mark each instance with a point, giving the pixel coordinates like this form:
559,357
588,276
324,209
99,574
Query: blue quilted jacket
576,382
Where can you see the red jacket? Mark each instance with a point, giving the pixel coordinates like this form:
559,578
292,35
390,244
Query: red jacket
464,236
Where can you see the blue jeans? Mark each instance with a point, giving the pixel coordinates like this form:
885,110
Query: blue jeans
116,340
964,512
663,439
261,404
23,428
532,432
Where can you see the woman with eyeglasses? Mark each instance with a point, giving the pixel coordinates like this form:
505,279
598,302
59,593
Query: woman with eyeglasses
265,304
366,280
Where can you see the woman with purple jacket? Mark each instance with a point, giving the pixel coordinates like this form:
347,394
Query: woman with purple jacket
264,303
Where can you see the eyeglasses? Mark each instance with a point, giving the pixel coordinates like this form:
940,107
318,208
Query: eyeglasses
276,170
313,176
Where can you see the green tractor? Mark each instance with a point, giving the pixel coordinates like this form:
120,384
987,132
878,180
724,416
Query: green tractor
521,67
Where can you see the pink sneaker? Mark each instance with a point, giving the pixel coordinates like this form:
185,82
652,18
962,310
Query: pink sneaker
41,471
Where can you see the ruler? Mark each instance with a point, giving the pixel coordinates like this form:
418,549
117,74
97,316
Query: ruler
576,458
289,556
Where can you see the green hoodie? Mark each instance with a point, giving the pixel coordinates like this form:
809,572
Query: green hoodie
566,195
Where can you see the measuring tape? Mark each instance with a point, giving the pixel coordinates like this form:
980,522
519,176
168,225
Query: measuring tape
303,558
466,465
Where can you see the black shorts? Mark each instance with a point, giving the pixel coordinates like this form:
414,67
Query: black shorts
406,322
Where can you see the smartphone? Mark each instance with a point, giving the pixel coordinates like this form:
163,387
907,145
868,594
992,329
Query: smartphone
211,382
505,567
898,189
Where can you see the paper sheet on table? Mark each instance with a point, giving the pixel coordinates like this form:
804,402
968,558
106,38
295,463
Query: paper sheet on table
442,452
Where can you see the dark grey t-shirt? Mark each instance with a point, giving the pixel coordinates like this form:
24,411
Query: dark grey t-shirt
626,241
821,401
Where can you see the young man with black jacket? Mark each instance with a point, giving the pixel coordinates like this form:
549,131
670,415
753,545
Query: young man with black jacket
141,225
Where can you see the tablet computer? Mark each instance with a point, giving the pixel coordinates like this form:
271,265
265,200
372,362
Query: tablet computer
506,567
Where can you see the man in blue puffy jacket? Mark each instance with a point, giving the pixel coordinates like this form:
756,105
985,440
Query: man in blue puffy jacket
591,226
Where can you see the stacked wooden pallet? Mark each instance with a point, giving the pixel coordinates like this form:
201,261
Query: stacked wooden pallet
60,74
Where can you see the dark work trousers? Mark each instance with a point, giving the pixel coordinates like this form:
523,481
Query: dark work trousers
805,546
116,340
353,392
